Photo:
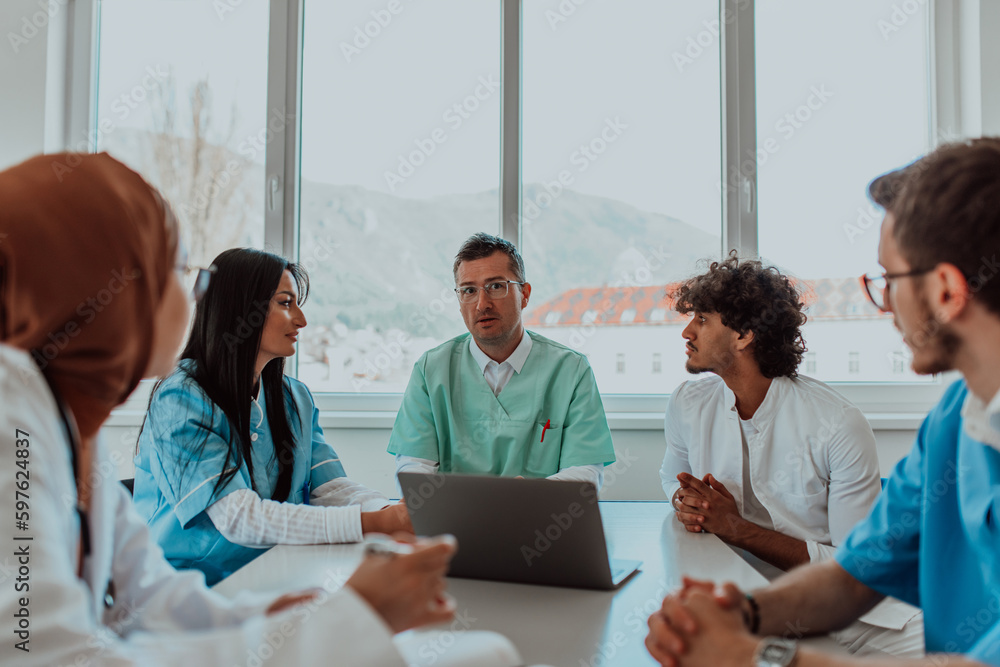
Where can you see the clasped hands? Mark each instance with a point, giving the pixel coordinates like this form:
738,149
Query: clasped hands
701,624
705,505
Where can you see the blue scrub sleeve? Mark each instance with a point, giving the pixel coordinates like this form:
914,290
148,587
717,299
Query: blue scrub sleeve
325,465
987,649
186,473
586,436
413,433
883,551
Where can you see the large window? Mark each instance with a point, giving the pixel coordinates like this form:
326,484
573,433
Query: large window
621,150
400,164
598,136
852,103
181,98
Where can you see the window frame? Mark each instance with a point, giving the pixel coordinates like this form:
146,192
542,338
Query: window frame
888,404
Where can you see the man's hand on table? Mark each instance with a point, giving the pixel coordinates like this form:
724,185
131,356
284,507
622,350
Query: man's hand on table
701,624
706,505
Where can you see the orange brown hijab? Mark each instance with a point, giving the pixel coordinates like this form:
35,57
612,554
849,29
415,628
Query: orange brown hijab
86,247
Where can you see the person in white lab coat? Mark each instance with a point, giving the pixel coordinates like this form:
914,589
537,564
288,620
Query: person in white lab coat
768,460
90,303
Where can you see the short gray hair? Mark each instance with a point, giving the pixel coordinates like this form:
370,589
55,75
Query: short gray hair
482,245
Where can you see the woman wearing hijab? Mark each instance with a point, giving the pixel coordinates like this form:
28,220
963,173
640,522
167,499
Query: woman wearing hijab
231,458
90,303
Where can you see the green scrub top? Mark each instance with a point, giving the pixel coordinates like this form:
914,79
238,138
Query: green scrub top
450,415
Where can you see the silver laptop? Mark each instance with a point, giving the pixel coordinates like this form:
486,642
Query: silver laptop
533,531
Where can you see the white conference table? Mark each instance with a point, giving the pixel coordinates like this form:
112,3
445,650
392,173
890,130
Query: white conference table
549,625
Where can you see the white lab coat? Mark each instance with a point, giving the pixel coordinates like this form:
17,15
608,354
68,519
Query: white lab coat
813,462
159,616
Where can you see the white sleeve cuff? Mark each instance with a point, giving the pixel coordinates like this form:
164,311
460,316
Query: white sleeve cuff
342,491
244,518
819,552
589,473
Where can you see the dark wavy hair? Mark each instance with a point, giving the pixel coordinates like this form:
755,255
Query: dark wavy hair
751,297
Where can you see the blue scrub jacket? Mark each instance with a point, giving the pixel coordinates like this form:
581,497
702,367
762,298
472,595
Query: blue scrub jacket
933,539
173,490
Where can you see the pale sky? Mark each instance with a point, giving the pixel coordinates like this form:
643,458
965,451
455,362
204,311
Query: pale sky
609,61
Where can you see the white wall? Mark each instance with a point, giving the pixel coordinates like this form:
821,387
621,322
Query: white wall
634,477
23,80
33,61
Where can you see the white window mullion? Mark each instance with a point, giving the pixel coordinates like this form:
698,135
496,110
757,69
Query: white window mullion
739,111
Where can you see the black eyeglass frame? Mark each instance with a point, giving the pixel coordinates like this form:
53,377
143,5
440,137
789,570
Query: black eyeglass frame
868,284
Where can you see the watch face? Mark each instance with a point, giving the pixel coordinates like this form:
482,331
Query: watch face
774,653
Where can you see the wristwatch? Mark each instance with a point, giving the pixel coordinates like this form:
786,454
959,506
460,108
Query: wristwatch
774,652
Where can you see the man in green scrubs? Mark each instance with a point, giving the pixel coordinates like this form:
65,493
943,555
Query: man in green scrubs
500,400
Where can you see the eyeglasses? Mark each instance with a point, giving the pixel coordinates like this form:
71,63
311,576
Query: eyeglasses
197,279
496,290
877,286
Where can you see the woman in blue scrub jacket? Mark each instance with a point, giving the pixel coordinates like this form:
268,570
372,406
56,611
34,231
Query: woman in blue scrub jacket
231,459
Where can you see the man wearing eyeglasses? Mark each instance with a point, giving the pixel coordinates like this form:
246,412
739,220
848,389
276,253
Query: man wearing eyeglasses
933,536
500,400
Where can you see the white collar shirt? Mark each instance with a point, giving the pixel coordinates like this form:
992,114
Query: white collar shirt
982,420
499,374
813,461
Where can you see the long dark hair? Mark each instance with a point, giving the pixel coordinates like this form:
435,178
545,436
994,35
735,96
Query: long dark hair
224,343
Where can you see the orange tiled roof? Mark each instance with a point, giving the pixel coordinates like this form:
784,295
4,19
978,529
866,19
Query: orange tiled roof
826,299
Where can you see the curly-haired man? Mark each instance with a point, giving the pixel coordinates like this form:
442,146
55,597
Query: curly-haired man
769,461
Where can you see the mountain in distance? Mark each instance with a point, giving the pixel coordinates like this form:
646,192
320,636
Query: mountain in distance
377,261
392,257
